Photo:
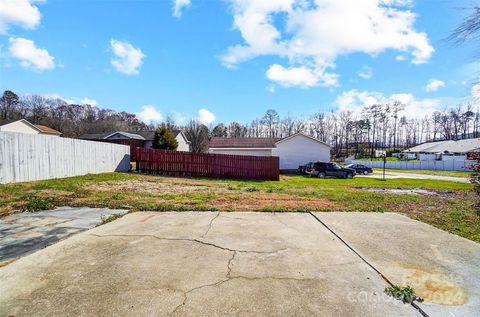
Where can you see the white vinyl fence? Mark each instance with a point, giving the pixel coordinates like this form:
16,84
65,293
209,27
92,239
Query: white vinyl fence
419,165
28,157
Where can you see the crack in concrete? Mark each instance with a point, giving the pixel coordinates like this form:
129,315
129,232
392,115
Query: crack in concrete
211,223
228,278
413,304
189,240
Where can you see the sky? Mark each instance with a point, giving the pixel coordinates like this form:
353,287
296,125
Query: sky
231,60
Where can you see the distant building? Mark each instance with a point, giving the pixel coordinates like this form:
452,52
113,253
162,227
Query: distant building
295,150
142,138
23,126
444,150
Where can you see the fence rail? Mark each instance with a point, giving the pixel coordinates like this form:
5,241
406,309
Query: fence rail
175,163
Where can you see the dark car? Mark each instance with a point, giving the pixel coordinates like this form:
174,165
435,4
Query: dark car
360,169
305,169
325,169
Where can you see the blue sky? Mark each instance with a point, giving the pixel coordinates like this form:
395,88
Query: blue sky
232,60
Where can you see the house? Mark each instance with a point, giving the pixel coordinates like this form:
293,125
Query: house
142,138
295,150
444,150
23,126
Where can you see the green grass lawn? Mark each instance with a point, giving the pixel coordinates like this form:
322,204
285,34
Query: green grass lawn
446,205
431,172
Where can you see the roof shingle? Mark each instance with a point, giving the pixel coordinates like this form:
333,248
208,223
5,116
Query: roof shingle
243,143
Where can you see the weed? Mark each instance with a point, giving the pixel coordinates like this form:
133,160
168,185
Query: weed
405,294
110,218
35,203
116,196
251,189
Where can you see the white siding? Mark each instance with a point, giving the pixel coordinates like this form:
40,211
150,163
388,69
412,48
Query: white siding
252,152
28,157
299,150
18,126
182,143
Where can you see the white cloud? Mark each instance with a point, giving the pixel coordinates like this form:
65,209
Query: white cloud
271,88
149,114
298,76
127,59
29,55
434,85
73,100
476,94
89,101
205,116
366,72
314,35
18,12
356,101
178,5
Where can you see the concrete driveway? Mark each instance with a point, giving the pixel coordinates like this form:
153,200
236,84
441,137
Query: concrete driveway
246,264
378,173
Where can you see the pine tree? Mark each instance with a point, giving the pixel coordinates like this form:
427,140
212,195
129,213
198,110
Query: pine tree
164,139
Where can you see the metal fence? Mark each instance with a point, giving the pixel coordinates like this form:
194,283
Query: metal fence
29,157
175,163
447,165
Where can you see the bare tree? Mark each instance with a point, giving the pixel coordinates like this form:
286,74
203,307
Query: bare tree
197,134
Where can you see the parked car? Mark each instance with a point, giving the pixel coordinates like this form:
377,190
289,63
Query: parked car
305,169
360,168
325,169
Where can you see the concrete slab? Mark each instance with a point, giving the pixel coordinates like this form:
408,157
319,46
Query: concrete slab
198,264
378,173
443,268
26,232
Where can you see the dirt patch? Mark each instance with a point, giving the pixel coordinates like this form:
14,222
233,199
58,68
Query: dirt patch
409,191
267,201
151,187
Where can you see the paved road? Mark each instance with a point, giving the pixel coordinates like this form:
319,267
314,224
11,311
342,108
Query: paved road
26,232
379,174
246,264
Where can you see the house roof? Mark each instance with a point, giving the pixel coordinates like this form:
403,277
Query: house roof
31,125
242,143
126,134
141,135
252,143
47,130
450,146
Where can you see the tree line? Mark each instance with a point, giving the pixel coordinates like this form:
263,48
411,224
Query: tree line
72,120
379,126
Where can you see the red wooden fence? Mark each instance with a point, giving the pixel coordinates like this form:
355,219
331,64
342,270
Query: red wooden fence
131,142
174,163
